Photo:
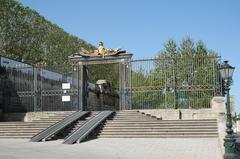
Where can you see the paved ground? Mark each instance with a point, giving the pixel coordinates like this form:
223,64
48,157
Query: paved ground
112,149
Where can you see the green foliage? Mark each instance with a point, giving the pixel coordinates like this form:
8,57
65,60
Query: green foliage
179,77
29,37
104,71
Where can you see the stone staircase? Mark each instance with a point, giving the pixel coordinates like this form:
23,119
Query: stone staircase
132,124
19,130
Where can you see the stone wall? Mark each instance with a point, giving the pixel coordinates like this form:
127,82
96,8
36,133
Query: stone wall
30,116
217,108
26,117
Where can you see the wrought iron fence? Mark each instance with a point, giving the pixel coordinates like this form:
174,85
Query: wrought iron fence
25,88
148,84
50,89
16,86
174,82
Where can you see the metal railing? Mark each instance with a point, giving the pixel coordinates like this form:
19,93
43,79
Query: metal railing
174,82
145,84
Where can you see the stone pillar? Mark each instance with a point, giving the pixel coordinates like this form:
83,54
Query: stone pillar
218,106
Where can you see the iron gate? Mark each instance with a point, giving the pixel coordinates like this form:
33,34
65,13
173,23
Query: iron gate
143,84
173,83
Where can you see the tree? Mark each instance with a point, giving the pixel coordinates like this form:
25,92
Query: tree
29,37
182,76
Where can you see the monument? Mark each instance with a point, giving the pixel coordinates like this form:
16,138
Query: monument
103,55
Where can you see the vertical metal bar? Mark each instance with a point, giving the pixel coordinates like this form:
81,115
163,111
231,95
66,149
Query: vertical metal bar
165,85
80,87
35,74
130,84
120,87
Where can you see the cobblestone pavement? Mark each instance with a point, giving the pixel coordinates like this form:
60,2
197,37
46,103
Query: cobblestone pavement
112,149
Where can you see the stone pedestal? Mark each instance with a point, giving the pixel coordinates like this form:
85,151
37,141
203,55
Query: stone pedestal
218,105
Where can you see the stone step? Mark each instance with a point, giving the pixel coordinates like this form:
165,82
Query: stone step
157,136
158,133
57,116
129,111
7,123
25,123
206,120
64,113
129,124
29,129
47,120
131,115
21,129
44,121
159,130
135,119
159,127
156,124
53,117
155,121
167,121
60,115
16,137
19,134
25,126
132,124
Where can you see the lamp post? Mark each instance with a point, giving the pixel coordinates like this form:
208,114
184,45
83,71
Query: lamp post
226,72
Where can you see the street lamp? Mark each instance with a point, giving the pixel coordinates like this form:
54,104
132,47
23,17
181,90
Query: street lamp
226,73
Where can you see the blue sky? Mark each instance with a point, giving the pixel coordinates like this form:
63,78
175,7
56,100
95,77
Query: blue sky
142,26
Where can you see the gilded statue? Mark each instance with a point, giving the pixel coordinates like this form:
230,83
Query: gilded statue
101,51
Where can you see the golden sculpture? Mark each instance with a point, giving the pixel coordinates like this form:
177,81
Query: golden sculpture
101,51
